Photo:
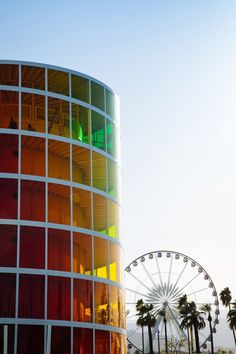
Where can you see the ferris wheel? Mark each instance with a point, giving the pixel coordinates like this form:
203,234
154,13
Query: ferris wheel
160,278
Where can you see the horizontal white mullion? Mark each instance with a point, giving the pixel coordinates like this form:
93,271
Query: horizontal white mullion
9,88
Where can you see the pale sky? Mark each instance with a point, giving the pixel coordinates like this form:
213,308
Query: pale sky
173,65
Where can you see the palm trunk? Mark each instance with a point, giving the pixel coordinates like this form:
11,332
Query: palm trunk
166,342
196,339
233,330
142,340
189,346
150,340
212,344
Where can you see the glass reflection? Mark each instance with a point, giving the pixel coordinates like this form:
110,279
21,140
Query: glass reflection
101,303
9,109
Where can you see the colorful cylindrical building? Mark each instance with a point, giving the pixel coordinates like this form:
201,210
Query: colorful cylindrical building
61,286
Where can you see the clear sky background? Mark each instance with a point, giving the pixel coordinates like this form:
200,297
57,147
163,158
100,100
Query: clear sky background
173,64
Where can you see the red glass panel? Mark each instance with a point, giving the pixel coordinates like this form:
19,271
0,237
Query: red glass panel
30,339
82,300
59,298
10,335
83,341
32,247
102,342
9,107
9,196
9,153
32,156
60,340
32,200
31,296
59,250
7,294
8,238
58,204
9,74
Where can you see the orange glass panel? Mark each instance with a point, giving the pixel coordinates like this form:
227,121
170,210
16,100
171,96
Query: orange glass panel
59,250
82,253
58,160
99,213
123,344
100,257
58,117
81,208
121,308
114,306
33,76
33,112
58,81
58,204
99,171
101,303
113,219
102,342
9,106
82,300
9,74
32,156
32,200
80,88
116,344
9,153
80,165
114,261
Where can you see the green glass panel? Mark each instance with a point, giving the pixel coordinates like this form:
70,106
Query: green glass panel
80,123
80,88
112,178
97,95
98,131
110,103
111,138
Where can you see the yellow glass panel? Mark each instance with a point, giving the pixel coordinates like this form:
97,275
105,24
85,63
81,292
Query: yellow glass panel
113,219
99,213
58,117
100,257
99,171
58,81
82,253
33,112
114,261
81,208
58,204
114,306
80,165
32,156
101,303
58,159
112,178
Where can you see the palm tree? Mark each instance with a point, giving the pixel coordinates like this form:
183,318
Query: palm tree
191,317
206,308
225,297
162,313
146,319
232,316
182,305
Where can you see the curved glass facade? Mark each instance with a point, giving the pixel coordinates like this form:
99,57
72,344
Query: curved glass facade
60,252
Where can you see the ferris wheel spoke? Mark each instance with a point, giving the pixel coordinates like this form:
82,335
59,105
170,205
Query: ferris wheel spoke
188,283
177,324
198,291
149,275
140,282
169,274
136,292
133,332
158,270
180,275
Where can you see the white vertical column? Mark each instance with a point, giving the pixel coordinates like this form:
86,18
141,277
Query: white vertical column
5,338
48,339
